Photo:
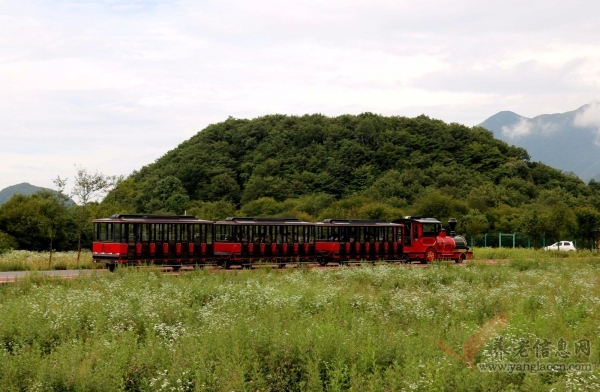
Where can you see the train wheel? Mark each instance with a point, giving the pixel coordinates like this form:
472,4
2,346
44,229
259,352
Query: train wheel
430,255
246,266
227,264
176,268
322,263
111,267
461,258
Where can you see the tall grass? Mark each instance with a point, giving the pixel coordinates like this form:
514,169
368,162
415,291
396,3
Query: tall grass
360,328
23,260
523,253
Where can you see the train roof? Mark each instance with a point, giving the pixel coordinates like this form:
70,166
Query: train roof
150,218
419,219
356,222
263,221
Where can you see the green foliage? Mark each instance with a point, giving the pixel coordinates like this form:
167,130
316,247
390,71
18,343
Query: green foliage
317,167
286,156
532,225
432,202
7,242
588,223
474,223
38,220
216,210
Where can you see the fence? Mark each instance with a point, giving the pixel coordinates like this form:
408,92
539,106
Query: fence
509,240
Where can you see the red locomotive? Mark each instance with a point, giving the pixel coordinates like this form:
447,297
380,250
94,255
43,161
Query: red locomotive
425,240
176,241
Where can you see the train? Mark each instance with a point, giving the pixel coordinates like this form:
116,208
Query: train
180,240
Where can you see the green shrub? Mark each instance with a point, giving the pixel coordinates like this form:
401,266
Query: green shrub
7,242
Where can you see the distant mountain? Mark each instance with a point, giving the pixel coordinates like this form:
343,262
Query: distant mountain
567,141
22,189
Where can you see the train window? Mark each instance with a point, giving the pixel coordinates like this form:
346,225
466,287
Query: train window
208,229
195,234
415,231
256,234
96,231
152,232
183,232
431,229
130,230
368,234
244,231
160,232
169,233
321,233
343,234
174,232
352,234
103,232
116,237
269,231
219,233
291,235
407,234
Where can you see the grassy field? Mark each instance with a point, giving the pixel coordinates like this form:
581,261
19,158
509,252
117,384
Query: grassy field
531,254
358,328
23,260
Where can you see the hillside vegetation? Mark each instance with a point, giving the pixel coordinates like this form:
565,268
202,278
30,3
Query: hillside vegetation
365,166
315,167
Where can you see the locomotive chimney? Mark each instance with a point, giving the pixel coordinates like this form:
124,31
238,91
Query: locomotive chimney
452,224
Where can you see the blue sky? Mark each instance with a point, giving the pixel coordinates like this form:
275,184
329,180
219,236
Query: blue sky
113,85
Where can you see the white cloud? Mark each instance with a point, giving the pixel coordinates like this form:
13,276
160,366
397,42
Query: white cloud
589,117
526,127
115,84
523,128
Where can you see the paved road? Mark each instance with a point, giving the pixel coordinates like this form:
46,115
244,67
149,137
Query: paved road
12,275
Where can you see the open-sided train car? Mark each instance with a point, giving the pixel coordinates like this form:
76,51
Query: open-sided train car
425,240
171,240
246,241
345,240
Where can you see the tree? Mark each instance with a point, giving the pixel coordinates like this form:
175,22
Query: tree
561,221
475,223
532,225
37,222
216,210
53,213
588,224
89,186
433,203
7,242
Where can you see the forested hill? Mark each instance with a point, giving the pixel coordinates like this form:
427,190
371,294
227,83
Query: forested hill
341,163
